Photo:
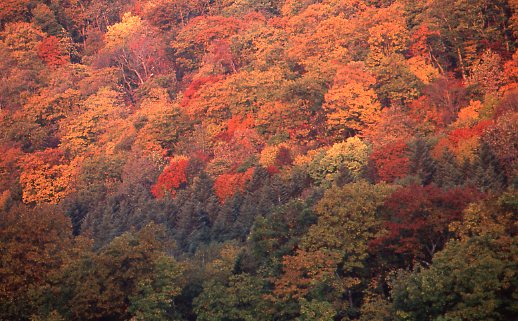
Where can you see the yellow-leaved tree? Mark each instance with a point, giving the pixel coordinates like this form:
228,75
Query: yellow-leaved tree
351,104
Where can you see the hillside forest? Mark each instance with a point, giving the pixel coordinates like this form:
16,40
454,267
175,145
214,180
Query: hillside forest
258,160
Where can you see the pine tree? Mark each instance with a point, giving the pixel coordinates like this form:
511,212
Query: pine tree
421,163
487,172
449,171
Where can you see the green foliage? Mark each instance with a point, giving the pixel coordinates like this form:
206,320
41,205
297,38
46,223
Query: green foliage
473,280
236,300
130,277
350,155
316,310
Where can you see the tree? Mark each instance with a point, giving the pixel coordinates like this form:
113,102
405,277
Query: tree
13,10
417,220
487,171
35,243
172,178
159,123
9,169
82,130
350,155
463,142
392,161
44,17
472,279
227,185
239,298
470,28
168,14
132,276
136,50
47,177
487,72
195,38
52,51
449,172
198,208
395,84
351,104
336,248
421,163
389,37
501,139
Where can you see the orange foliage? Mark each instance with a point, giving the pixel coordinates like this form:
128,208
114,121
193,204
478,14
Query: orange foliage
511,72
202,30
226,185
46,176
351,104
236,126
463,142
302,270
419,41
392,161
281,118
192,91
394,125
172,178
8,166
439,106
52,52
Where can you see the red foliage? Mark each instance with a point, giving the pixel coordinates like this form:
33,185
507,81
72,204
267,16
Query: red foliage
391,161
283,157
441,102
418,219
204,29
420,41
237,125
226,185
460,136
272,170
220,54
51,51
172,178
150,53
191,91
9,170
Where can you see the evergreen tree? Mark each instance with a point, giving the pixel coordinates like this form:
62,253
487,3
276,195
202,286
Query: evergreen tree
422,164
487,173
449,173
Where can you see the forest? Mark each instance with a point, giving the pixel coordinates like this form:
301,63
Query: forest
259,160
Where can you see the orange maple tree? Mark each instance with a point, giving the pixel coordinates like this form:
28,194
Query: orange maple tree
226,185
172,178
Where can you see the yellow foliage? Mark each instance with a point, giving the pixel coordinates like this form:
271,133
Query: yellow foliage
269,154
388,35
351,104
21,37
422,70
353,153
469,115
84,128
44,182
119,33
305,159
